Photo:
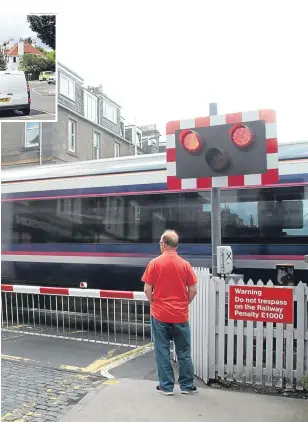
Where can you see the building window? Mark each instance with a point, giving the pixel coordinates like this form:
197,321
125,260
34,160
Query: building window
96,142
90,106
116,149
67,87
71,135
32,134
110,112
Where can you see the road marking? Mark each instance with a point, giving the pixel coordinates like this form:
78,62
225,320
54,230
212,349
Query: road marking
15,326
19,410
18,358
100,365
34,90
123,358
104,364
44,90
66,337
111,382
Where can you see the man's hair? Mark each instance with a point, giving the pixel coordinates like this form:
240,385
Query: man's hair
170,238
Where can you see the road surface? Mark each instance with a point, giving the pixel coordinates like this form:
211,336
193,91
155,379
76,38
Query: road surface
43,104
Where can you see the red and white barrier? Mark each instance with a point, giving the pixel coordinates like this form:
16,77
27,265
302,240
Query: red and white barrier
65,291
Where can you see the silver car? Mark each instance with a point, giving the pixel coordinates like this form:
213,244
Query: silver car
52,79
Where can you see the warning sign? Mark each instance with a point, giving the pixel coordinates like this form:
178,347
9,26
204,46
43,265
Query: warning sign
264,304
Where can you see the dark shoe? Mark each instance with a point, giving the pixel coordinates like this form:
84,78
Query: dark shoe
166,393
192,390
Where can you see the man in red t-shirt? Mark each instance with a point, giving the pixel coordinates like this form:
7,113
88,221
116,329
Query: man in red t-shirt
170,286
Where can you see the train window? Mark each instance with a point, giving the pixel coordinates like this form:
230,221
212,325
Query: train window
276,215
270,214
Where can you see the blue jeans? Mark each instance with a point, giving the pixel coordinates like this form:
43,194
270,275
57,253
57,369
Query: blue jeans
163,333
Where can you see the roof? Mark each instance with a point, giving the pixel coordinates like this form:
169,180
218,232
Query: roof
67,69
28,49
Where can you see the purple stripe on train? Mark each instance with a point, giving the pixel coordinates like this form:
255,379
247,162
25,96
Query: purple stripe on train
153,249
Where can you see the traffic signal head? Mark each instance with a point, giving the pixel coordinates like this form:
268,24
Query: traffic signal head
231,150
223,150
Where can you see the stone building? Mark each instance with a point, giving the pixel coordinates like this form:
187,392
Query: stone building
143,139
89,126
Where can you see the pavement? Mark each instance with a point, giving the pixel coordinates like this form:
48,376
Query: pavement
55,379
127,400
43,104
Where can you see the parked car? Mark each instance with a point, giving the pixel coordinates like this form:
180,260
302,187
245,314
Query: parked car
14,92
52,79
44,76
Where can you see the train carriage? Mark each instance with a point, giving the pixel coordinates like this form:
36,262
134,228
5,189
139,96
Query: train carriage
100,221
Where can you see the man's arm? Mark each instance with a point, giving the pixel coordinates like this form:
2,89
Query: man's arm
149,278
148,288
192,291
191,284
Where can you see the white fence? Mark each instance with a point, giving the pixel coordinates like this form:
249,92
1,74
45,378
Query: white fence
268,354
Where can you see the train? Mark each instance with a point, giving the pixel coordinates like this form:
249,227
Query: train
100,221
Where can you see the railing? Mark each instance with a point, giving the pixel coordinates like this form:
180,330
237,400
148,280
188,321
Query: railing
99,316
270,354
260,353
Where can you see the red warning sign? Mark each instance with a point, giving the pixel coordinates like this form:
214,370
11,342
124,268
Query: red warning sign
264,304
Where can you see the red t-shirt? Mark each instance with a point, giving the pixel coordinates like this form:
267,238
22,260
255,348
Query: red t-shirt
170,275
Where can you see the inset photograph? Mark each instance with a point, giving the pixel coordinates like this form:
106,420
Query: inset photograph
28,81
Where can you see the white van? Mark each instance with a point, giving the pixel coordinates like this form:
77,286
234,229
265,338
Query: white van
14,91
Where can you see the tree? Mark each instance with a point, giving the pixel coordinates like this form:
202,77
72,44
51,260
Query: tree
45,27
35,64
28,40
3,63
51,55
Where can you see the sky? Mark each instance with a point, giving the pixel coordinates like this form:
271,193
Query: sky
168,60
16,27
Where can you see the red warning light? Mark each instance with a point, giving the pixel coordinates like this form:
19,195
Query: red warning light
241,135
190,140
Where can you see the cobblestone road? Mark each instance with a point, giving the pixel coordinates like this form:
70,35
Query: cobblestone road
37,394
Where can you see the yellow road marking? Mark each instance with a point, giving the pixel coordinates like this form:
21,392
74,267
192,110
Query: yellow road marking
99,364
8,357
109,382
6,416
19,410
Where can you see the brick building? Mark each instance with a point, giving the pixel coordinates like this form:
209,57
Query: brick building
89,127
